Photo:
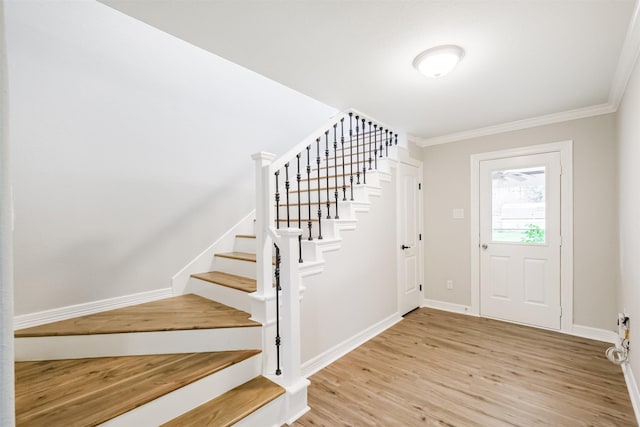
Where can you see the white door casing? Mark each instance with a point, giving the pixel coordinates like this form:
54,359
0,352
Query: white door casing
409,232
520,239
565,152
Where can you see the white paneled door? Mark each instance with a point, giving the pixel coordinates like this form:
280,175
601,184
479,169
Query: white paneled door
408,236
520,239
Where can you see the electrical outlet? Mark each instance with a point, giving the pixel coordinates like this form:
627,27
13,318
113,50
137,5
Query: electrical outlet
449,284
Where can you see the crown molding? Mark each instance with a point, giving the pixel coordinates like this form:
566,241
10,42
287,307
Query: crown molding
548,119
627,60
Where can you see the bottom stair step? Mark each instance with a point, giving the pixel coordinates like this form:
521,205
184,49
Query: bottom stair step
88,392
232,406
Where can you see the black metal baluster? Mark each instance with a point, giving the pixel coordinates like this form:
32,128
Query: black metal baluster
370,139
381,129
309,189
351,153
335,168
396,139
357,151
298,178
286,187
319,190
386,142
278,289
344,183
277,173
364,153
328,169
375,145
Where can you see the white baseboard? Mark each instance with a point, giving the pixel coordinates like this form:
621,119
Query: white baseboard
68,312
577,330
632,386
446,306
593,333
324,359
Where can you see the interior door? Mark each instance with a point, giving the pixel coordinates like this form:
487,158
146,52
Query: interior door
520,239
408,236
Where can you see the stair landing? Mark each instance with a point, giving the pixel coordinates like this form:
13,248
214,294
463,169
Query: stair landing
87,392
184,312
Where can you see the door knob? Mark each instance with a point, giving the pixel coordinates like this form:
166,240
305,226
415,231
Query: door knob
485,246
403,247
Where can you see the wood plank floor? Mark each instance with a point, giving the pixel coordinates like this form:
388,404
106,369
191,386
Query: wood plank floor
444,369
87,392
183,312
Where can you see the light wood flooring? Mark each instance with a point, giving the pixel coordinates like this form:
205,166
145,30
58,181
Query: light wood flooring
441,369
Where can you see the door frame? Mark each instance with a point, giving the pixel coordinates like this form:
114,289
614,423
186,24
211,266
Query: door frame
565,148
403,157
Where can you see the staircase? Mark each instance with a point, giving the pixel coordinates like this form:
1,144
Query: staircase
189,360
206,357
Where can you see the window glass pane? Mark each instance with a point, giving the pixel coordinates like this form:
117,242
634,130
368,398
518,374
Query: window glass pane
518,205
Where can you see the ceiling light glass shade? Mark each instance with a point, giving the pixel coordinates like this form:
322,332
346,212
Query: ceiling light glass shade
439,60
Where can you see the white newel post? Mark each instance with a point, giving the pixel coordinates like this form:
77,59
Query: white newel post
263,307
290,282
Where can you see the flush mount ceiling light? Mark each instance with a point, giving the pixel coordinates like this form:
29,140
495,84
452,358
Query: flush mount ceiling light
439,60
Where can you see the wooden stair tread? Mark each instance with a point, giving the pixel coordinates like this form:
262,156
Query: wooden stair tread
246,236
184,312
87,392
242,256
241,283
232,406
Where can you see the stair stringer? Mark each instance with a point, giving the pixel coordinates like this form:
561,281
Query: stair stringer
313,250
314,263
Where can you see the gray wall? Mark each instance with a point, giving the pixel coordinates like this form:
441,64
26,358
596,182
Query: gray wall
628,127
447,186
130,150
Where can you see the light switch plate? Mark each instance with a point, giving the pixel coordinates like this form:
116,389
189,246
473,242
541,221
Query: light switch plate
458,213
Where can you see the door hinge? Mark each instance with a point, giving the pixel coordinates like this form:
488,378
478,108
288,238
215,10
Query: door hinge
560,311
420,236
419,186
420,288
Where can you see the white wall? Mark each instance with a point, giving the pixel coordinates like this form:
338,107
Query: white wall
447,186
7,392
357,288
628,127
130,149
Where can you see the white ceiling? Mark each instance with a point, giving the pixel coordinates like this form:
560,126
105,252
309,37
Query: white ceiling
527,62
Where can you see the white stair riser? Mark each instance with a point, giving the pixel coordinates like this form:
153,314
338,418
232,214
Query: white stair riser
236,266
137,343
228,296
182,400
245,244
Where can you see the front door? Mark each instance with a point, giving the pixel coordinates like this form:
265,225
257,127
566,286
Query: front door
520,239
409,238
